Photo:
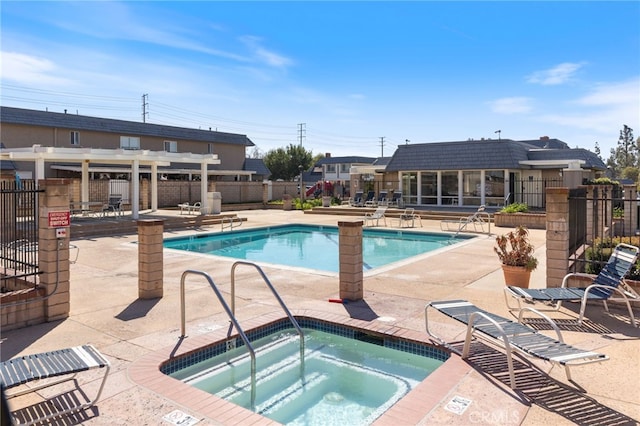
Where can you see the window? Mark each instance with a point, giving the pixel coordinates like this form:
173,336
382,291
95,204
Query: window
210,148
331,168
75,138
129,142
171,146
429,187
344,168
449,187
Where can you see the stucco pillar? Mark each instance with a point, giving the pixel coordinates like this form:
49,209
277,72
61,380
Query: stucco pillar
265,193
150,263
53,251
144,195
557,235
350,237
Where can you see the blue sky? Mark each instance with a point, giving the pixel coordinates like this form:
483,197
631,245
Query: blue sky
353,72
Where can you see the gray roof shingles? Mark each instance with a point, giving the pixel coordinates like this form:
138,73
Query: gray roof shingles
465,155
131,128
256,165
484,154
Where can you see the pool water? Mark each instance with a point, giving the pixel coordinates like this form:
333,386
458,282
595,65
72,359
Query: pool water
342,380
314,247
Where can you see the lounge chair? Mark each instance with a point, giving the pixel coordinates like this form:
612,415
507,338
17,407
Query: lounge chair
370,201
382,199
356,201
479,219
606,284
190,208
396,200
377,215
65,362
409,216
512,336
114,205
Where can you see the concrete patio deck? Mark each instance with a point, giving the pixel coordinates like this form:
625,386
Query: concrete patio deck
106,312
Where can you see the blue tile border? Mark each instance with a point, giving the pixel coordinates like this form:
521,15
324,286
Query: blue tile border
417,348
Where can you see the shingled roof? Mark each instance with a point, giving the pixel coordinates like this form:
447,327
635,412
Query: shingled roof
484,154
466,155
82,122
256,165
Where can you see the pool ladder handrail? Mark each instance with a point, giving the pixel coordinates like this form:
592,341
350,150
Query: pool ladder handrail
232,318
276,295
231,222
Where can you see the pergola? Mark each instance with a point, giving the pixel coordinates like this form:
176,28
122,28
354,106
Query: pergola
122,157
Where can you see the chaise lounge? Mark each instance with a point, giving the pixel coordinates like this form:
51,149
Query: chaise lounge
512,336
608,283
64,362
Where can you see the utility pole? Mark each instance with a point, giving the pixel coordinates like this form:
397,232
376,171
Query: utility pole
145,105
301,131
382,146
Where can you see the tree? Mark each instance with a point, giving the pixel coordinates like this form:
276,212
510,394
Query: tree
626,154
597,150
287,163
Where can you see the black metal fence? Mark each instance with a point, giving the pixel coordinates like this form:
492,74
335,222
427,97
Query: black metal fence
599,220
532,192
19,236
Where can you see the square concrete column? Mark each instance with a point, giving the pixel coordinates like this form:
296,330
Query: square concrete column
350,246
557,235
53,250
150,262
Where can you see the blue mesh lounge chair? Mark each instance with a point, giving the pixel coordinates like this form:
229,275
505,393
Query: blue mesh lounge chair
608,283
370,201
512,336
64,363
356,201
396,199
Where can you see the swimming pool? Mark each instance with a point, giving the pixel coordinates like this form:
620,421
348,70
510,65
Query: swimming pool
314,247
349,375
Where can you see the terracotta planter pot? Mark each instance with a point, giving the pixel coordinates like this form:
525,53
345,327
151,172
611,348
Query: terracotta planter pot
516,275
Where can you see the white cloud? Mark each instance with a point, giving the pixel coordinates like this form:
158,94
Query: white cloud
28,69
513,105
604,109
559,74
622,93
264,55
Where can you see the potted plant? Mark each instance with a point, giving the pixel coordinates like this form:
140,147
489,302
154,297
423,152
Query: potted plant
516,254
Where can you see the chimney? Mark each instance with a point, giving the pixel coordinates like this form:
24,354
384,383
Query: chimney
327,155
544,138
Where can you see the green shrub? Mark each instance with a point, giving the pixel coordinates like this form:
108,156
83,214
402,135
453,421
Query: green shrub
599,253
604,181
515,208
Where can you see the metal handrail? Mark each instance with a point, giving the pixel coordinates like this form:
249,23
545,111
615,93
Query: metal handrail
231,221
232,317
277,296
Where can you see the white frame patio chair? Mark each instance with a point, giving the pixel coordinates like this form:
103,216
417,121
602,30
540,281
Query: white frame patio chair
65,363
376,215
479,218
511,336
604,286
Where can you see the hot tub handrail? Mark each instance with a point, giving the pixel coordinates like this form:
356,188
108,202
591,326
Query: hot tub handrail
275,293
231,315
